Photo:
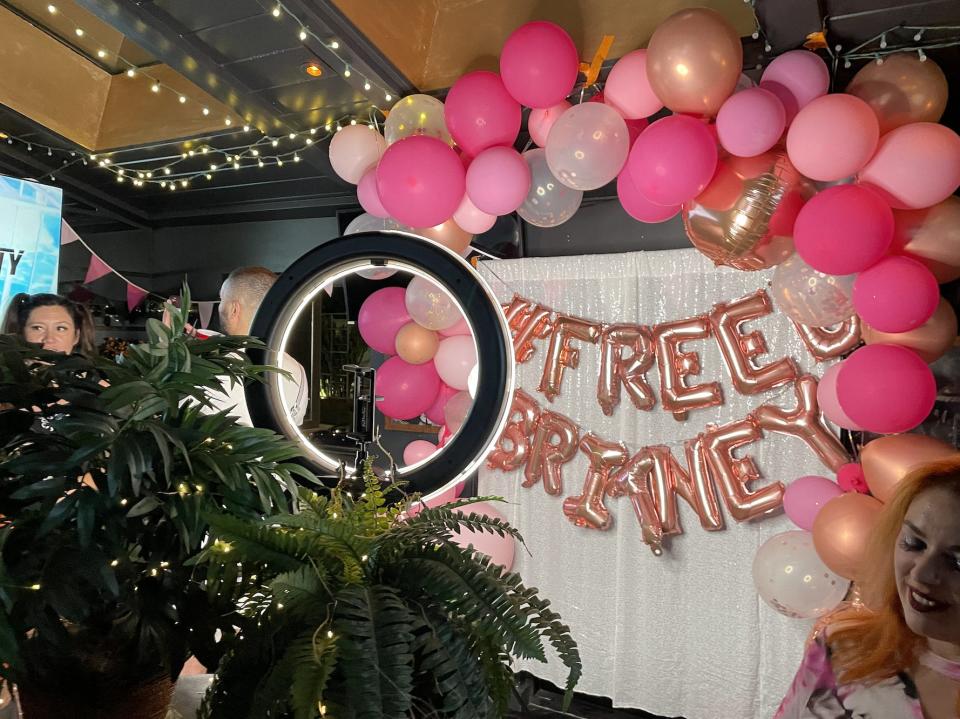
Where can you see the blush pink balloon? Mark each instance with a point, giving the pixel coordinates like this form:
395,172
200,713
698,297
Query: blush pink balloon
833,137
638,206
886,389
368,195
455,357
634,127
897,294
828,401
916,165
480,113
750,122
461,328
354,150
539,64
381,316
673,160
472,219
436,500
417,451
435,411
499,549
456,411
541,120
407,390
796,78
628,90
421,181
498,180
843,229
805,496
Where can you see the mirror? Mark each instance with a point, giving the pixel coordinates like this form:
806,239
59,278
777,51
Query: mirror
386,329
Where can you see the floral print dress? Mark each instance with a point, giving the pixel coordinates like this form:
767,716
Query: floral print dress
815,693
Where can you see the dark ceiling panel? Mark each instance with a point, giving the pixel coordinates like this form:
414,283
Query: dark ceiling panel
251,37
197,15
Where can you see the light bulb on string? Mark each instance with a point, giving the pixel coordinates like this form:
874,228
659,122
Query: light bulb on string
353,122
149,174
276,11
182,99
346,72
916,38
254,152
131,72
388,97
309,141
101,54
293,136
209,176
52,9
246,128
279,162
883,41
335,45
79,32
275,142
259,163
183,183
155,87
205,150
227,121
236,165
327,127
313,131
212,166
366,85
166,170
922,54
296,157
303,34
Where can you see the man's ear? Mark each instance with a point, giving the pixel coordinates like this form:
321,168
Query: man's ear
232,308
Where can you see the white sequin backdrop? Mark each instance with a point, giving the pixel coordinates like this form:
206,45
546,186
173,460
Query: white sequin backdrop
684,634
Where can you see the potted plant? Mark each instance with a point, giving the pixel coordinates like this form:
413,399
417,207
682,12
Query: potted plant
350,609
107,474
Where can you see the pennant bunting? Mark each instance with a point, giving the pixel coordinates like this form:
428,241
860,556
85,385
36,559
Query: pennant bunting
135,296
206,313
67,234
97,269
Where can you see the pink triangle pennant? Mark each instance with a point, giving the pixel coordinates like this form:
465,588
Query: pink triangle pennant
206,312
97,269
135,296
67,234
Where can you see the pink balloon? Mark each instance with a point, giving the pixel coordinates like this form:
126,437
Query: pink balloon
461,328
456,411
673,160
628,90
499,549
438,500
420,180
750,122
539,64
354,150
638,206
455,357
843,229
472,219
833,137
418,450
407,390
886,388
368,195
828,401
850,478
916,165
541,120
480,112
381,316
805,496
797,78
435,412
498,180
897,294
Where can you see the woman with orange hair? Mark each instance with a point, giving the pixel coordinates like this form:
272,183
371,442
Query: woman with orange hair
898,654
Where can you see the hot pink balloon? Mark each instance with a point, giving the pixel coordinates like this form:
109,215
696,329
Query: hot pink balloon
628,90
750,122
541,120
886,389
843,229
828,401
417,451
421,181
673,160
480,112
850,478
638,206
897,294
499,549
805,496
472,219
796,78
354,150
498,180
916,165
369,196
833,137
455,357
539,64
435,412
381,316
407,390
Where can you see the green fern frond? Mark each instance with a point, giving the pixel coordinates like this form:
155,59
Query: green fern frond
315,657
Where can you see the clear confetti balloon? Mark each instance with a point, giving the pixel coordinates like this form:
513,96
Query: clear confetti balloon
368,223
416,115
811,297
430,306
549,202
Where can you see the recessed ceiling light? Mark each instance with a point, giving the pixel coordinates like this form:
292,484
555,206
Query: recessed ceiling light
131,72
79,32
313,68
52,9
101,54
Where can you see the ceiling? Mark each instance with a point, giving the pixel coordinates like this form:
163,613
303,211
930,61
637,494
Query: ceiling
244,64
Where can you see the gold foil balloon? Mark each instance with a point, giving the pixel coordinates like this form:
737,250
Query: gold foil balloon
903,89
930,340
449,234
694,60
887,460
744,218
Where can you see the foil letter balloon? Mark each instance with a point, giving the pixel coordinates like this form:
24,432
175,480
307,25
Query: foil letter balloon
633,480
615,369
806,423
675,365
734,474
825,343
694,484
744,218
739,350
560,354
553,444
587,509
527,321
514,444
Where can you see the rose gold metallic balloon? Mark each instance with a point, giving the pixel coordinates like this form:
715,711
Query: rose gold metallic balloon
932,236
416,344
841,532
694,60
449,234
887,460
903,89
930,340
744,219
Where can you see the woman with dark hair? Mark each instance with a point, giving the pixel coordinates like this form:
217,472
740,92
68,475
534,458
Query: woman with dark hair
52,321
898,654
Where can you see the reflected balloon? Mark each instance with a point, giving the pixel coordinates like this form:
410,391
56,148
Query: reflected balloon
417,451
931,235
416,344
901,90
549,202
455,357
811,297
416,115
456,410
429,305
587,146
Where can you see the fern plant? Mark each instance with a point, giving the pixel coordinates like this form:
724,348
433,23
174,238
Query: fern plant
351,610
107,474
